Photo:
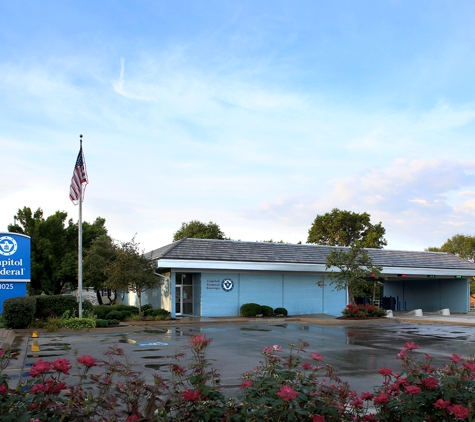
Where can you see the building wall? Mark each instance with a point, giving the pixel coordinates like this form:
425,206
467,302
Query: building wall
298,293
214,300
429,295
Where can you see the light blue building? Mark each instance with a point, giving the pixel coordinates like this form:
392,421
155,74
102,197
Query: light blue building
211,278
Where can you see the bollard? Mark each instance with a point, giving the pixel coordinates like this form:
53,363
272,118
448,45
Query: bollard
35,346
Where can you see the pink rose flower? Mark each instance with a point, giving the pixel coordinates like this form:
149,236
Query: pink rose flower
456,358
367,396
287,393
381,398
87,360
430,383
200,342
385,371
411,346
413,389
441,404
39,368
245,385
189,395
316,356
62,365
459,411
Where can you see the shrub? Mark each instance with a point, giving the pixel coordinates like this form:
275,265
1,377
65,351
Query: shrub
157,312
53,324
146,307
101,310
126,308
114,322
102,323
56,305
363,311
281,311
250,309
266,310
79,323
115,315
19,312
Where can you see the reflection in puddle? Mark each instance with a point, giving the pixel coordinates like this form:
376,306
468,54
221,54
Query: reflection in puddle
255,329
157,366
128,341
157,357
44,356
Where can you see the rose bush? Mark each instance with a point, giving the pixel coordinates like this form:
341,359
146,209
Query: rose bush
363,311
285,386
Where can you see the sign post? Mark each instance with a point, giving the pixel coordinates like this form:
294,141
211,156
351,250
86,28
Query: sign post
15,265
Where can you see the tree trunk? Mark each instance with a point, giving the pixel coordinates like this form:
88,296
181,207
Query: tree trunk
139,302
99,297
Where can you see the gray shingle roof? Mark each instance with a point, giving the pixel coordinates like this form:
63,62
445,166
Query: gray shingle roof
230,250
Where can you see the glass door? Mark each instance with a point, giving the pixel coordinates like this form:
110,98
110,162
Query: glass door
178,300
184,294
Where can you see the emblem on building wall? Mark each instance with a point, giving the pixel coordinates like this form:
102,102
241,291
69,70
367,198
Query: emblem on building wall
227,284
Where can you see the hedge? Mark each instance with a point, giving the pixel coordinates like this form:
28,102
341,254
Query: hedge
18,312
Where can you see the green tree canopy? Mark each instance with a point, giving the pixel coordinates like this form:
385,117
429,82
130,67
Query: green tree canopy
460,245
353,268
346,228
197,229
54,247
131,271
101,254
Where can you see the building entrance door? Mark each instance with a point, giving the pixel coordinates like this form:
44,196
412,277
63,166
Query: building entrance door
184,294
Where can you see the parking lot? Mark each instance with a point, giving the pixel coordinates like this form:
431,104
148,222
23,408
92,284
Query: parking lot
356,351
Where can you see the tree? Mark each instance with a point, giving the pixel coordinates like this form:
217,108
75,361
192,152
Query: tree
197,229
346,228
462,246
54,247
131,271
356,271
98,257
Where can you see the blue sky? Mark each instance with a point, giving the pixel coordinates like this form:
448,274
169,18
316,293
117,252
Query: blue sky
256,115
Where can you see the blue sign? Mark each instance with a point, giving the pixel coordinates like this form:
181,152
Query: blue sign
15,262
227,284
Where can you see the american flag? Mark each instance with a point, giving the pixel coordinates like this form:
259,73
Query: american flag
79,179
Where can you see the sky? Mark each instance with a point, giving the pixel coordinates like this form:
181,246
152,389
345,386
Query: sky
255,115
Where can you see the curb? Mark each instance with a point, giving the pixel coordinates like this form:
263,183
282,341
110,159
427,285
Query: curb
7,341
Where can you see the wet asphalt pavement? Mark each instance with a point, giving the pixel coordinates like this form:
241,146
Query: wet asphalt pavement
356,351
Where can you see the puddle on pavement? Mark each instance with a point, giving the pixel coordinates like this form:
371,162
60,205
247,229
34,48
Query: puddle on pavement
156,357
255,329
156,349
156,331
128,341
55,346
37,355
157,366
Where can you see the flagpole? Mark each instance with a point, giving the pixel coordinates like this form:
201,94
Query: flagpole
80,244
